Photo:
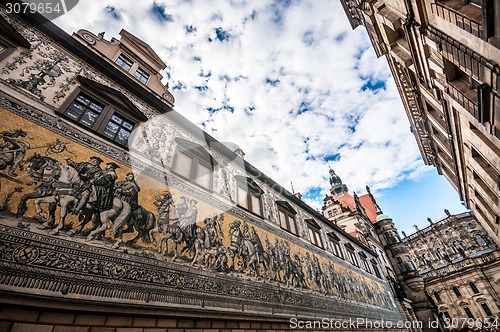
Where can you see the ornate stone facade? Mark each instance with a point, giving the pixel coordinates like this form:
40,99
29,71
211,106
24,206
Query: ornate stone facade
362,218
444,56
175,223
459,263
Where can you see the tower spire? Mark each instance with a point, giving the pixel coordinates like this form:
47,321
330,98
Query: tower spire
337,187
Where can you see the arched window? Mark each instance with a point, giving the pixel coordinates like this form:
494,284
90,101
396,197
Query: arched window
437,297
486,309
457,292
468,313
473,287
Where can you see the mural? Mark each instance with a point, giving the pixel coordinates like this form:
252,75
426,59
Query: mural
48,187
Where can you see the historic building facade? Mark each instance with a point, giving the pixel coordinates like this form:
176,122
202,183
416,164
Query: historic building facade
444,56
117,212
460,265
362,218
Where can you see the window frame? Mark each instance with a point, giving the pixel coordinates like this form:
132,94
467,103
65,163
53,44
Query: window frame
410,263
141,73
335,243
290,217
468,313
473,288
113,102
199,156
126,60
314,233
364,262
375,268
252,191
486,309
437,297
351,255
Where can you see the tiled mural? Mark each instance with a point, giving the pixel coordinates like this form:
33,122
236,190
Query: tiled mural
57,187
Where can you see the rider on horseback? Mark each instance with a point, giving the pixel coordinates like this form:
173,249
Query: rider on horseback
87,172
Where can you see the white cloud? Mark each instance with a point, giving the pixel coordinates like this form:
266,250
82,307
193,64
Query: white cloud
319,62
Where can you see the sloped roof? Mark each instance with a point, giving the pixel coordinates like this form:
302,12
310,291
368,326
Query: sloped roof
347,201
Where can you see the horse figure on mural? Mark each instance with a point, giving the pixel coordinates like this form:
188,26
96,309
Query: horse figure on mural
168,224
67,183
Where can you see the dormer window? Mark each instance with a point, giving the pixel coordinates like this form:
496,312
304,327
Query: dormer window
335,245
314,233
249,195
364,262
141,75
194,163
351,256
124,62
130,66
287,216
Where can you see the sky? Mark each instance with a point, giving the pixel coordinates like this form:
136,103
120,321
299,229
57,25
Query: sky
293,85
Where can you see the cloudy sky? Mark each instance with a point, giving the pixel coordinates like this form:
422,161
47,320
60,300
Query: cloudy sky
293,85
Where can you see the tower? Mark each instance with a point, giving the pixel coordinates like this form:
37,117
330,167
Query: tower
337,187
409,283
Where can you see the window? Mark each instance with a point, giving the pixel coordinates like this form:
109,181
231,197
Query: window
457,292
468,313
314,233
102,110
392,237
335,245
287,217
364,262
330,213
437,297
141,75
194,163
486,309
402,267
441,254
351,256
458,246
124,62
473,287
410,263
480,240
447,315
249,195
375,268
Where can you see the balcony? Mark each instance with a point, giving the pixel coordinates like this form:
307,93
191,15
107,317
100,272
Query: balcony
465,16
400,50
466,97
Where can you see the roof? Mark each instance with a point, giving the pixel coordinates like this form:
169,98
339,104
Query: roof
347,201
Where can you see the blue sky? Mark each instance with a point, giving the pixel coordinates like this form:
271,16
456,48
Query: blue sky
292,85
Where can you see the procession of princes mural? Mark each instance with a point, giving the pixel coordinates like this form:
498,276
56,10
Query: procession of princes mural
100,202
